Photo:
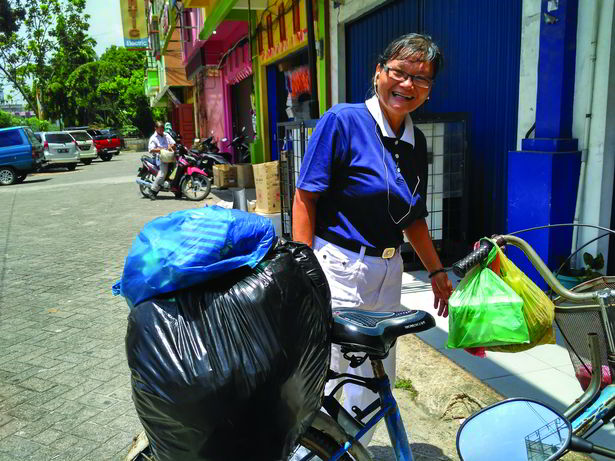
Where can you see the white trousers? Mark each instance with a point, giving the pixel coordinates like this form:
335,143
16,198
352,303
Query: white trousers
362,282
162,173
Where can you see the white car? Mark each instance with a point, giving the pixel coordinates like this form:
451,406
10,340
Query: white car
60,149
87,150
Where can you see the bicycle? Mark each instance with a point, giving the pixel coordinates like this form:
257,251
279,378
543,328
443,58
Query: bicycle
362,335
591,320
335,435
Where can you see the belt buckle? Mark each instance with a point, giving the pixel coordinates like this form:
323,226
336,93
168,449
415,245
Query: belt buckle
388,253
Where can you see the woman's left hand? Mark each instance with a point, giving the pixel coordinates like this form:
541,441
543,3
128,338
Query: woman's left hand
442,289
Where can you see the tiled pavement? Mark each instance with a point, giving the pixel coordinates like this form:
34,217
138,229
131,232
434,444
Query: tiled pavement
64,382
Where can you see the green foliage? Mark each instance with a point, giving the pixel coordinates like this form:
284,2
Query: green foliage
590,271
52,62
406,384
40,125
52,42
159,114
7,120
10,17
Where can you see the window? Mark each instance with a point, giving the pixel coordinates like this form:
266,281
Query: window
10,138
80,135
59,138
269,31
282,22
187,25
31,136
296,16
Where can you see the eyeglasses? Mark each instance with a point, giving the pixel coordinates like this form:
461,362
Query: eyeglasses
401,76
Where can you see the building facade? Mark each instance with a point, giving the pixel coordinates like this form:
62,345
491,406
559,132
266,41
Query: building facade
165,81
247,62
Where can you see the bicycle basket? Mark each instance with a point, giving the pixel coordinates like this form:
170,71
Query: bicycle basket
575,322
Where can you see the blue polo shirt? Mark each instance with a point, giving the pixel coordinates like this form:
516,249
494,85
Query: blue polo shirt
373,184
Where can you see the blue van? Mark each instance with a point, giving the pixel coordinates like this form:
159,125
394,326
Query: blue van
20,153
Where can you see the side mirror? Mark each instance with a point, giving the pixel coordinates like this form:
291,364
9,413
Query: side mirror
513,430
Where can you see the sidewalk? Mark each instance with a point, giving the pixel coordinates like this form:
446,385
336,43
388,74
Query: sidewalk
543,373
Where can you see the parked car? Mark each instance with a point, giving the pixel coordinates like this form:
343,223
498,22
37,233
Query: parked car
115,132
60,149
85,143
106,145
20,153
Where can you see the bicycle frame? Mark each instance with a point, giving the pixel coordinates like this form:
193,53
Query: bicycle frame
388,410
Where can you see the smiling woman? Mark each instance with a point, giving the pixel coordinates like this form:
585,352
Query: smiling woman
369,164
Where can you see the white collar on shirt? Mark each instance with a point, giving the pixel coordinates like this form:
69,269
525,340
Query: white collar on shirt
374,108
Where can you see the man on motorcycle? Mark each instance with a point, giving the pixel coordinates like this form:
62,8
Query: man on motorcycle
158,141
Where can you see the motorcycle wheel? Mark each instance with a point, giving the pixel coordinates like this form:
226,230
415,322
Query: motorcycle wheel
146,177
196,187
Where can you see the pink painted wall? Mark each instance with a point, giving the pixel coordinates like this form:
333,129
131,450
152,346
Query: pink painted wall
215,92
212,108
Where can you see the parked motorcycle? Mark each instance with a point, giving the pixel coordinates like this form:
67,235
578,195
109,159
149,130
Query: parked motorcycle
189,181
209,154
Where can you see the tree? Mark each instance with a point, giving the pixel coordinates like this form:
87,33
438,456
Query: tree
10,17
74,49
46,26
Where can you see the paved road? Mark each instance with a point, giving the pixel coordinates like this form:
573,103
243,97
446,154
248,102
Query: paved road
64,382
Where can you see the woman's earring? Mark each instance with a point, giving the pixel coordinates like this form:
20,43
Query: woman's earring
427,98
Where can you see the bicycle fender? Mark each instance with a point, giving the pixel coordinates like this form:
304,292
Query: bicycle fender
324,423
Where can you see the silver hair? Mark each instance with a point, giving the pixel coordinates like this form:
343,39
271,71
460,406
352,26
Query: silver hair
410,47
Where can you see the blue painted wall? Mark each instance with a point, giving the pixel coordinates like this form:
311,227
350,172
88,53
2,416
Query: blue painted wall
480,41
272,109
542,190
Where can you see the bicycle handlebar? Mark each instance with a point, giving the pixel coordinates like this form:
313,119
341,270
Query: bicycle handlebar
461,267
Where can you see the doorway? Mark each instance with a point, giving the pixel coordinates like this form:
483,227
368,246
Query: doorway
285,102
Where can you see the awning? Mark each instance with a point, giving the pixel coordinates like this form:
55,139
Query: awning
166,91
218,15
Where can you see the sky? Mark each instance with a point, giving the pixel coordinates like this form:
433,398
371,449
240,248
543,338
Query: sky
105,23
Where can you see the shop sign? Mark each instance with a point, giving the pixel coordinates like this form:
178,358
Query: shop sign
134,24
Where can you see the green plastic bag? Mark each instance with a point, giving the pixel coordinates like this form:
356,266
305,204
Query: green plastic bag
485,311
538,309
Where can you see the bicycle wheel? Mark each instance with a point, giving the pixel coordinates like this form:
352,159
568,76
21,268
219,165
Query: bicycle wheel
316,446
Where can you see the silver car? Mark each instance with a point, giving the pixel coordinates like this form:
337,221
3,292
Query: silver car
60,149
87,150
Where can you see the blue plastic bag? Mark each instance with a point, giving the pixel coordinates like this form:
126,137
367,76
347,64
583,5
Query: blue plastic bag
189,247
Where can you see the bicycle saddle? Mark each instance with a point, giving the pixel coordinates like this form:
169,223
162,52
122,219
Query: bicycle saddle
374,333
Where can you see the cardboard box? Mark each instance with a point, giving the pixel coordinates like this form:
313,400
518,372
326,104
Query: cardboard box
245,175
267,182
225,176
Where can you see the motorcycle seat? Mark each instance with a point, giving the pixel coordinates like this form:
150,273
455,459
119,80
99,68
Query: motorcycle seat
375,333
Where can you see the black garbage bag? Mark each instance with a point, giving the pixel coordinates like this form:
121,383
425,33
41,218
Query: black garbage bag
235,368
